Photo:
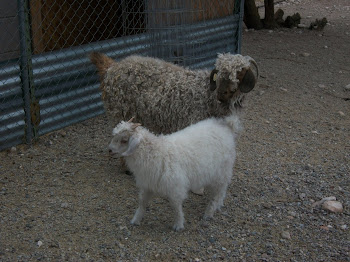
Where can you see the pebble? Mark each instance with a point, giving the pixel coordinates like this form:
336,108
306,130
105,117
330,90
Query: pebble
292,213
199,192
302,26
305,54
302,196
319,203
285,235
64,205
333,206
39,243
341,113
347,87
343,227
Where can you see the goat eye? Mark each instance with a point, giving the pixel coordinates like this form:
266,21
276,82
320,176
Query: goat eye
124,141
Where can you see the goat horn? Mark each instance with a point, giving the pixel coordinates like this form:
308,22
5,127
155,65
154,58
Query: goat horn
135,125
131,119
252,61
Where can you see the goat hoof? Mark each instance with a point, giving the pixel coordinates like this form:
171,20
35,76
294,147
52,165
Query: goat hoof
207,217
178,228
135,222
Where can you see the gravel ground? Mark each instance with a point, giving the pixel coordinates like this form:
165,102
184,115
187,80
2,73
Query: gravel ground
64,199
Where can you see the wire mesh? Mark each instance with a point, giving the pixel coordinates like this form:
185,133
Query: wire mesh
46,79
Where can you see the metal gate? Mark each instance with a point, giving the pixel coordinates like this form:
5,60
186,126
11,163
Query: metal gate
46,79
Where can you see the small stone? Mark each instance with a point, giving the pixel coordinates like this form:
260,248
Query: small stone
343,227
333,206
302,196
292,213
324,228
321,86
39,243
13,149
302,26
341,113
63,133
319,203
305,54
199,192
64,205
212,240
347,87
285,235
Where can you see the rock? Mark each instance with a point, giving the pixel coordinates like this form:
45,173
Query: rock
13,149
343,227
279,17
333,206
285,235
64,205
302,196
319,203
341,113
292,21
318,24
39,243
302,26
199,192
292,213
63,133
326,228
347,87
305,54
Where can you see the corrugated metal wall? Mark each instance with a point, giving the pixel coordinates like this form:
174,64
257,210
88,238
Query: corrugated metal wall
66,85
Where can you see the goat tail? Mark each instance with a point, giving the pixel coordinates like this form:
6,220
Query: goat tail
102,63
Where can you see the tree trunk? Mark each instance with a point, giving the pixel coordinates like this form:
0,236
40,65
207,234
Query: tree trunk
269,20
251,15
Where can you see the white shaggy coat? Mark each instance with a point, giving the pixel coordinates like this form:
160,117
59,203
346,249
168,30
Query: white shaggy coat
201,155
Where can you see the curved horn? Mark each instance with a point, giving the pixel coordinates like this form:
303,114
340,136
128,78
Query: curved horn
248,81
213,76
131,119
255,65
248,76
135,125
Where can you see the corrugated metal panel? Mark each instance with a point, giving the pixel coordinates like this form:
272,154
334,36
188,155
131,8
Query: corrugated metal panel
11,106
198,43
66,83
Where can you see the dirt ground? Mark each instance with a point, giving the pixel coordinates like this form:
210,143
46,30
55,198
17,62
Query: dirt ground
64,199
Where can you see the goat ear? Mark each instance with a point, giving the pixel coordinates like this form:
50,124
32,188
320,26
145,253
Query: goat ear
213,76
133,143
247,80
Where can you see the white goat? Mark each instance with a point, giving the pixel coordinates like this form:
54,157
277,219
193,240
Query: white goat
201,155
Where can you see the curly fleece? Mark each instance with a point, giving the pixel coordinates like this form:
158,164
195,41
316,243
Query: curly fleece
165,97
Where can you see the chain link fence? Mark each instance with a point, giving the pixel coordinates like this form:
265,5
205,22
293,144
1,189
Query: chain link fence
46,79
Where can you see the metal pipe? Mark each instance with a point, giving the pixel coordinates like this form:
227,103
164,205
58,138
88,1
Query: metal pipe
24,66
240,27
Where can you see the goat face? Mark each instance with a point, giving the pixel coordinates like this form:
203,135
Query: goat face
125,140
233,91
